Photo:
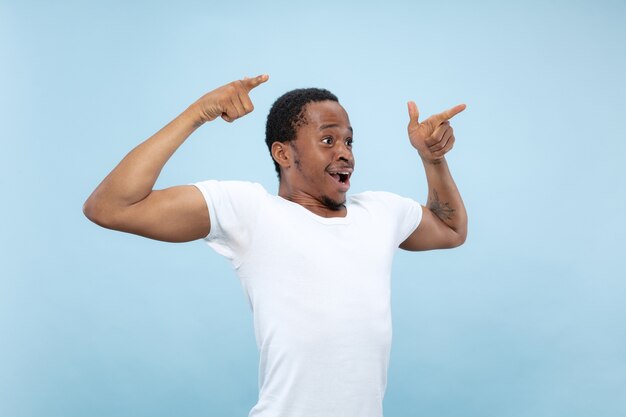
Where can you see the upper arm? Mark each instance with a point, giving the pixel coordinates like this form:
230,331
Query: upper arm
175,214
432,233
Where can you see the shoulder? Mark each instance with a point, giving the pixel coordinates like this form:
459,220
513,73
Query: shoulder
388,204
231,185
237,189
383,198
400,215
232,198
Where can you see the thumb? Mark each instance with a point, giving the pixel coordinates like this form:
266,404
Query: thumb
414,113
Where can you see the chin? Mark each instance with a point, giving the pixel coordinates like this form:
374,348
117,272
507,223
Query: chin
333,204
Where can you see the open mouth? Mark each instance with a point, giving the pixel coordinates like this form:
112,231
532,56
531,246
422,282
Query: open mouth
342,176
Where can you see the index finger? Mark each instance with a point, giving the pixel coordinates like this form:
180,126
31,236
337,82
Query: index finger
250,83
448,114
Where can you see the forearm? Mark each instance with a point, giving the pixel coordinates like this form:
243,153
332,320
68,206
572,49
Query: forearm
444,199
134,177
126,201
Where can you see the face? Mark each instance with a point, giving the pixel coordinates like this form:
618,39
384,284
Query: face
322,155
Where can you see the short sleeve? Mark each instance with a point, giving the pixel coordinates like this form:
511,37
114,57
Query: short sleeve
410,218
405,214
234,210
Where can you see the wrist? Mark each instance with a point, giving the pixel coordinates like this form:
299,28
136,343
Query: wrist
195,115
433,161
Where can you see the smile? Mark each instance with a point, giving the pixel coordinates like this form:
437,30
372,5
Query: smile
341,176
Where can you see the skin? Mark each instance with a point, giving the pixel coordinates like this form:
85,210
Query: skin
323,145
126,201
444,219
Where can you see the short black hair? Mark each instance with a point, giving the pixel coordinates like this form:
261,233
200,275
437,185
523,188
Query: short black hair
287,114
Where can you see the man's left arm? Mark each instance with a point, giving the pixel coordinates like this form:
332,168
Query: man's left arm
444,219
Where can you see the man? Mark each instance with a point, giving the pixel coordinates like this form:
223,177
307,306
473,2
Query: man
314,263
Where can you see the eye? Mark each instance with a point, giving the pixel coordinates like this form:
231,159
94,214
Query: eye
349,142
328,140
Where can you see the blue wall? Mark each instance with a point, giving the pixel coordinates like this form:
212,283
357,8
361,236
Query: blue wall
526,319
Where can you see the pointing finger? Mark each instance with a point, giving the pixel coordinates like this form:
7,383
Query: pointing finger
250,83
437,119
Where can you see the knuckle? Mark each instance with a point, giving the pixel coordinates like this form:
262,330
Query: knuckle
242,86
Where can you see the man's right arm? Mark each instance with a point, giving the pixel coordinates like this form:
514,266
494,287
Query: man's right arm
125,199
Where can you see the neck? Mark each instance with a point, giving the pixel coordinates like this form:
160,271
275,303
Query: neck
314,204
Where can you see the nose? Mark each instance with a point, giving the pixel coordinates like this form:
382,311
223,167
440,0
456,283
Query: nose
344,153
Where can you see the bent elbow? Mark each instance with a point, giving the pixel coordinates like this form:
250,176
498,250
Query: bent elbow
454,239
460,240
89,210
96,212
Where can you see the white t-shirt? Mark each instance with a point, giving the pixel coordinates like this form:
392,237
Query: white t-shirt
319,289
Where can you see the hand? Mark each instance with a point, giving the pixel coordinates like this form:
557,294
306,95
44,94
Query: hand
433,137
230,101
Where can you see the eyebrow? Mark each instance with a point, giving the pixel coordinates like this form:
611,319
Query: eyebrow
322,127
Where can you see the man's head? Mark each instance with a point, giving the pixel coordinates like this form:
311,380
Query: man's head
309,136
287,115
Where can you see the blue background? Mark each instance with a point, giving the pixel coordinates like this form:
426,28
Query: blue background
526,319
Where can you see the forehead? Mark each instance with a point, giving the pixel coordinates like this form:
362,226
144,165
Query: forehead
327,112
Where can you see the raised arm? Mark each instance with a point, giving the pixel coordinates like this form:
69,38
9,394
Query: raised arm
444,220
125,200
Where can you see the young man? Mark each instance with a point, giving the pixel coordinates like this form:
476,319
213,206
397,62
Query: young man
314,262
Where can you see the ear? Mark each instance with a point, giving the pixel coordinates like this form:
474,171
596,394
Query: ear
281,152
